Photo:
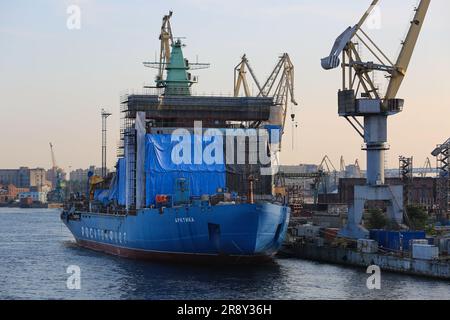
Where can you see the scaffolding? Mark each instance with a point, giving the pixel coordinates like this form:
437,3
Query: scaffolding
406,174
296,199
292,194
127,150
442,154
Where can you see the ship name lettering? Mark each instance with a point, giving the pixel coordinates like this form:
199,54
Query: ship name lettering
184,219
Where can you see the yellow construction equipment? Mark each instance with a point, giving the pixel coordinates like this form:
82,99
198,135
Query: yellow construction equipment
408,45
94,181
166,38
279,85
360,96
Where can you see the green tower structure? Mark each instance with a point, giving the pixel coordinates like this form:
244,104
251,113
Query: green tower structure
178,80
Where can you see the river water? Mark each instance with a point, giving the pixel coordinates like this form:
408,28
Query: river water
36,249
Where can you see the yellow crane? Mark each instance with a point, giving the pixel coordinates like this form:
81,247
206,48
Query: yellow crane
408,45
168,46
357,74
279,85
166,38
240,78
361,97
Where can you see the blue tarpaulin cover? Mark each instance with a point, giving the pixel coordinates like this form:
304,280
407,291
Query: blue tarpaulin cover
117,188
275,132
102,195
122,181
162,172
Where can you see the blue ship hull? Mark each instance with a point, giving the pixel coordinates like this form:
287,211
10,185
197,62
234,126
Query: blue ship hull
234,232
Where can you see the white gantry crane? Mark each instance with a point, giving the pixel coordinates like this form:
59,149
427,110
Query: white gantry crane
361,97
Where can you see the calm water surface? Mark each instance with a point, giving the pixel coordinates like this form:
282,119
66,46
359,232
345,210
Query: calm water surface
36,249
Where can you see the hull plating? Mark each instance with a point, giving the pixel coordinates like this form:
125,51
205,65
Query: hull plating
240,233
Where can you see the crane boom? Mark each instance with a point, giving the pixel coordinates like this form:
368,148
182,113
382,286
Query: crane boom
342,168
358,168
239,77
241,80
366,14
53,156
332,61
361,97
326,163
166,38
407,50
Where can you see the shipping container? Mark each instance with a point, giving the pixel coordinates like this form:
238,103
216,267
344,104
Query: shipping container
443,244
425,252
367,246
430,240
308,231
418,241
395,240
330,234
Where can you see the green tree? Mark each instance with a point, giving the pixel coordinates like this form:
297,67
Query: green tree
417,217
376,219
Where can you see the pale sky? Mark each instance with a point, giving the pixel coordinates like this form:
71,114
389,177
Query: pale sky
54,81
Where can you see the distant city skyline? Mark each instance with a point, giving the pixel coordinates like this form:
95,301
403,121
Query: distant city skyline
54,81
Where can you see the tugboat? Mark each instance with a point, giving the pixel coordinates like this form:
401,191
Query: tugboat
194,179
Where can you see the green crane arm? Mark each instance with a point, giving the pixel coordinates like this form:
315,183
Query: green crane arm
407,50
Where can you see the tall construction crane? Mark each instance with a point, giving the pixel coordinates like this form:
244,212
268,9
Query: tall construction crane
426,169
406,169
240,78
279,85
358,169
325,170
342,168
177,66
57,194
360,97
52,152
166,39
327,166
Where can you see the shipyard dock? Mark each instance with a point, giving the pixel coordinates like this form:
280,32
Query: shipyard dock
344,256
406,252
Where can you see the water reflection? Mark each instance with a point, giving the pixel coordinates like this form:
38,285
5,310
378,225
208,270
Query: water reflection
150,280
35,251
